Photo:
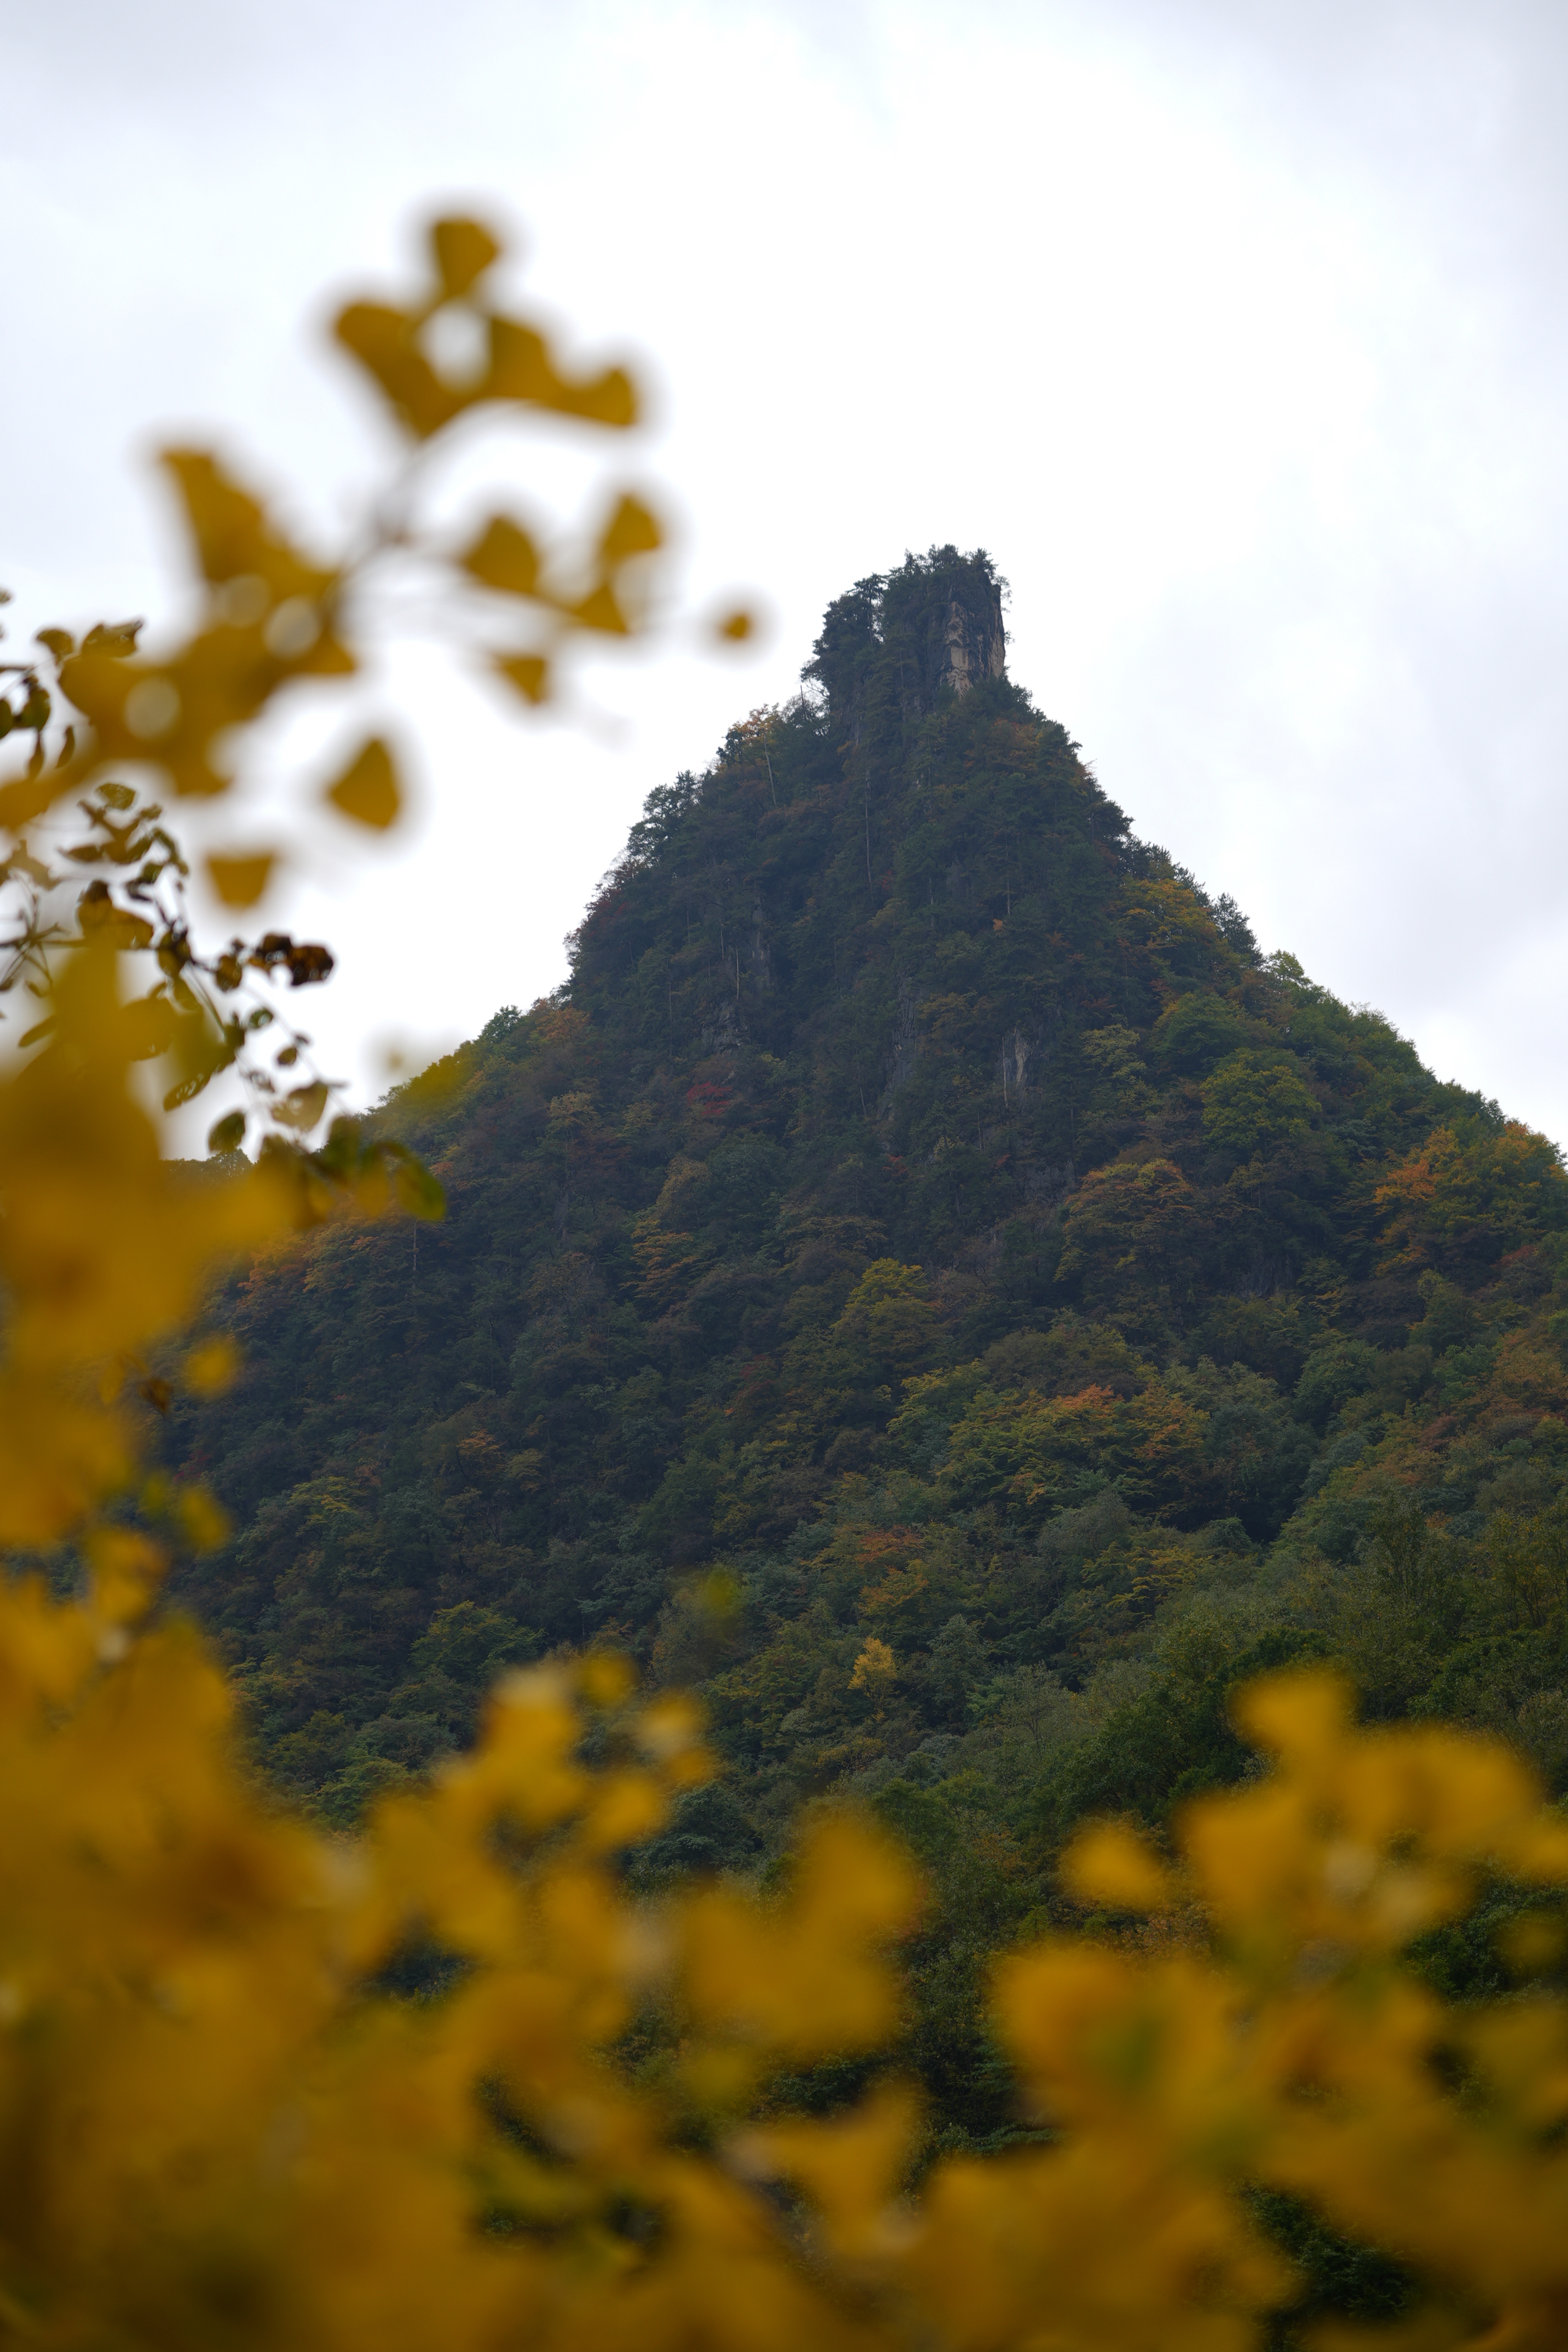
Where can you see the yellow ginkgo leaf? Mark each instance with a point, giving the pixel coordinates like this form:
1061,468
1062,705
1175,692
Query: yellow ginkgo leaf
521,369
1109,1864
211,1366
202,1519
530,673
149,1025
59,1457
462,250
504,556
241,880
367,790
116,927
1296,1716
632,529
236,540
606,1677
302,1107
600,610
384,341
849,2166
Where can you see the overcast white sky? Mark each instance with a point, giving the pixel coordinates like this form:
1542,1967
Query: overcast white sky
1233,328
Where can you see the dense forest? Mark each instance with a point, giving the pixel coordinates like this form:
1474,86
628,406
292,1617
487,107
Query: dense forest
929,1282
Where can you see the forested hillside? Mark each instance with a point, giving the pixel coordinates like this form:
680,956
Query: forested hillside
928,1281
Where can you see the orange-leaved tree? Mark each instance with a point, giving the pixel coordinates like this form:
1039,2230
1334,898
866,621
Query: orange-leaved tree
225,2119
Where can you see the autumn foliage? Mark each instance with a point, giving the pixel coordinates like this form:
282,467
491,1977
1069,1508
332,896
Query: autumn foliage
223,2117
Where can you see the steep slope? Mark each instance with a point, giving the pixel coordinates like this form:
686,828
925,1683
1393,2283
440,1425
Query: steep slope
928,1280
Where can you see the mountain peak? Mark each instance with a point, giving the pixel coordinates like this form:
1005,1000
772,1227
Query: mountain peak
934,626
923,1220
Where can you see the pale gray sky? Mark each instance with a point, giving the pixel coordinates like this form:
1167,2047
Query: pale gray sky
1235,331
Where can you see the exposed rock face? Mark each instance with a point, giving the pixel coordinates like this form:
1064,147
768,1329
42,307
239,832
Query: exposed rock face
940,620
966,640
1015,1050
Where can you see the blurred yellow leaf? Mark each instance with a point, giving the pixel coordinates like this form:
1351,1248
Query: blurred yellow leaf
521,369
202,1520
807,1979
530,673
105,1248
1295,1716
418,1192
60,1456
178,713
606,1677
600,610
236,541
301,1109
148,1026
1109,1864
200,1049
116,927
367,790
850,2167
462,250
504,556
384,342
632,529
241,880
126,1567
667,1728
384,339
114,637
212,1366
